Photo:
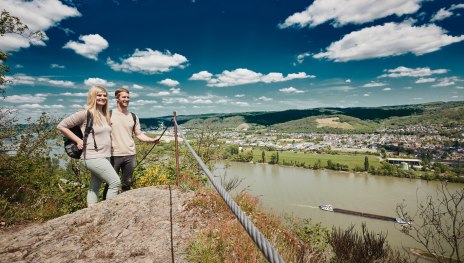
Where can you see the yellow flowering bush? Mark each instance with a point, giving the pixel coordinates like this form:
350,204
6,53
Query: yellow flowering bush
154,175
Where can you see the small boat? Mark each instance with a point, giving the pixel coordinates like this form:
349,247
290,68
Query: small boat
326,208
401,221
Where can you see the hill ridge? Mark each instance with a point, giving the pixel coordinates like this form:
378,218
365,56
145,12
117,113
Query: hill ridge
364,119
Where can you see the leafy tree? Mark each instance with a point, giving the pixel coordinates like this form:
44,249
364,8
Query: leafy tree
206,143
438,224
441,168
366,164
12,25
230,150
274,158
330,164
244,157
33,186
383,152
233,149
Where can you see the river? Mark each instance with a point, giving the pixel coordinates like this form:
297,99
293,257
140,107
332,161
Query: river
298,192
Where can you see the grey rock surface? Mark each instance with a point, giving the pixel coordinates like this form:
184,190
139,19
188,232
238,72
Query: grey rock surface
135,226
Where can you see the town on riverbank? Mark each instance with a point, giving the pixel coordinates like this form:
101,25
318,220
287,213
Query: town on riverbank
415,141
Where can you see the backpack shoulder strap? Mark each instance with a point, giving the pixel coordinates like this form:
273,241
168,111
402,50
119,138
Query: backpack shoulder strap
89,129
135,122
89,124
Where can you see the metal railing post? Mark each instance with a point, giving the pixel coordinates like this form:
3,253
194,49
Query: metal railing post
177,148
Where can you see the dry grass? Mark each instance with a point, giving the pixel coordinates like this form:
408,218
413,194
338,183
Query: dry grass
225,240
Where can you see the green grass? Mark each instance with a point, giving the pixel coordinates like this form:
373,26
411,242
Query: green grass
352,160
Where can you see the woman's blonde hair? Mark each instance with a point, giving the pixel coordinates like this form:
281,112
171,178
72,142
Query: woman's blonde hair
92,105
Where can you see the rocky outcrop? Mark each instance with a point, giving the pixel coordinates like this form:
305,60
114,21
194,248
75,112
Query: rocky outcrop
133,227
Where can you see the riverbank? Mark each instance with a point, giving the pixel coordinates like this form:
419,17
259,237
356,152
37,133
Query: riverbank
350,162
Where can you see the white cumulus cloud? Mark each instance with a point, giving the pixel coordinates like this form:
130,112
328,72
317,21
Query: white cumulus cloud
90,47
349,12
411,72
441,14
144,102
202,75
175,100
149,62
425,80
40,106
61,83
374,84
390,39
301,57
240,103
26,98
159,94
57,66
20,79
38,15
291,90
264,98
445,82
444,13
135,86
74,94
98,82
243,76
175,90
169,82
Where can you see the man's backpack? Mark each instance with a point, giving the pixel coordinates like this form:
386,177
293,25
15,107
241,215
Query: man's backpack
70,146
133,117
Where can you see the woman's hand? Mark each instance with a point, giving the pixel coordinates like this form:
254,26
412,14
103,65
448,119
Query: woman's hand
80,144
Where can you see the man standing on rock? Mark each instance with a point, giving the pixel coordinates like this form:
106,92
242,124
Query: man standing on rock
124,126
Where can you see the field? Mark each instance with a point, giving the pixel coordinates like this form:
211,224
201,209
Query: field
352,160
333,123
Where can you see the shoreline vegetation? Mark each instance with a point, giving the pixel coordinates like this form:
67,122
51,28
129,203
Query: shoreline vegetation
342,161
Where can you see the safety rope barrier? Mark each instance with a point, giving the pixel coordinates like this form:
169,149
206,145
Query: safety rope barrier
151,149
263,244
170,219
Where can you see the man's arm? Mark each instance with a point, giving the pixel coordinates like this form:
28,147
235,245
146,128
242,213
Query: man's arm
141,136
144,138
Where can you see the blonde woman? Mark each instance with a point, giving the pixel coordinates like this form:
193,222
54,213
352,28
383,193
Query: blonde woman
97,151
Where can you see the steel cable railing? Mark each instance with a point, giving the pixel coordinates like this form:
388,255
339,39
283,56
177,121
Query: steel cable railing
266,248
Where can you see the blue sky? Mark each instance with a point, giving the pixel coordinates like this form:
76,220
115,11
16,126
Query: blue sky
212,56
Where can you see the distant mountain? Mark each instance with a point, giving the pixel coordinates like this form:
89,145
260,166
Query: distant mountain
356,119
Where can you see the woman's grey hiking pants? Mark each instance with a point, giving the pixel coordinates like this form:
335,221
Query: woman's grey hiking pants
102,171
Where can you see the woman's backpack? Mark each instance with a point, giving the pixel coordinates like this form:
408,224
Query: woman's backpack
70,146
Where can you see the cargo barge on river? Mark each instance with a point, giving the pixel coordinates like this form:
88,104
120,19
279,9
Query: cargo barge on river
330,208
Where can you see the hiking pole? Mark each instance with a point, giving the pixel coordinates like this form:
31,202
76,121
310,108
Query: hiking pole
143,158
